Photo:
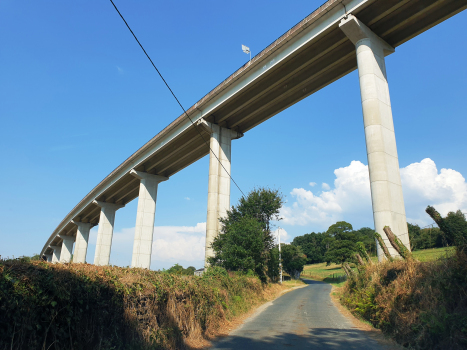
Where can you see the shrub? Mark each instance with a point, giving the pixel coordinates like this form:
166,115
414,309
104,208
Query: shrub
81,306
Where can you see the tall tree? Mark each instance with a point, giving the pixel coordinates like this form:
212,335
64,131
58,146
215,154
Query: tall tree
246,240
342,245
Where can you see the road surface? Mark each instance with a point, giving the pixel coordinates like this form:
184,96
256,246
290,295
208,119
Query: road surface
304,318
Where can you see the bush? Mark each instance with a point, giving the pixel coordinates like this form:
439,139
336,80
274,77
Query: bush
81,306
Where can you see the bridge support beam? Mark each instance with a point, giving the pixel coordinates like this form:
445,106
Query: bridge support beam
82,238
144,229
105,232
67,248
56,253
48,257
383,163
219,179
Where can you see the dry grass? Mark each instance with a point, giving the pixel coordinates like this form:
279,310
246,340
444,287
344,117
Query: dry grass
422,305
293,283
81,306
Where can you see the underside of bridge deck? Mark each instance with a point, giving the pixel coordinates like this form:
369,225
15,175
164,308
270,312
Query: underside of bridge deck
313,66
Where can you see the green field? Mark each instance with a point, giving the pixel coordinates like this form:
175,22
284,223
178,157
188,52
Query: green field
334,274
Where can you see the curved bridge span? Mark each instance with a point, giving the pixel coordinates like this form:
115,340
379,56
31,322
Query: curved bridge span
336,39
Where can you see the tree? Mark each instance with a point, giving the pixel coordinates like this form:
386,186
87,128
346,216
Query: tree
293,260
178,269
240,247
342,246
366,235
426,238
273,264
458,226
312,245
262,204
245,240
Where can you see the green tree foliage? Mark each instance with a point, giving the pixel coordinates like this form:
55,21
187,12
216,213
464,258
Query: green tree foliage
426,238
312,245
433,237
454,226
273,264
342,243
293,259
366,235
458,225
179,270
245,241
240,247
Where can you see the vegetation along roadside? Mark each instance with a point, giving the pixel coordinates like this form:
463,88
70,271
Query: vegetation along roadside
420,304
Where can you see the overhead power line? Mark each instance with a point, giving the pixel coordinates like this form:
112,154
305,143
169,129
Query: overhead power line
168,87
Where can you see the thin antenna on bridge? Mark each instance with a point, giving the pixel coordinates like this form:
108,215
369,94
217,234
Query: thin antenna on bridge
168,87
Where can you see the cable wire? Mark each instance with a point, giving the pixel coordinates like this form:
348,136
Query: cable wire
168,87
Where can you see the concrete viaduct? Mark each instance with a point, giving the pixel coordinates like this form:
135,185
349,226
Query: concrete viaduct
336,39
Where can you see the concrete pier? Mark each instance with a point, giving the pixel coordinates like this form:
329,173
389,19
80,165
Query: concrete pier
56,253
144,229
67,248
219,179
383,163
105,232
48,257
82,238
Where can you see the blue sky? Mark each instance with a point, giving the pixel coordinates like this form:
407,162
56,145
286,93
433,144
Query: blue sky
78,97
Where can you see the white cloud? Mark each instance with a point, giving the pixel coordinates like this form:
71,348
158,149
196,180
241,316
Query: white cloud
423,185
171,244
325,186
187,198
350,199
120,71
351,196
179,243
312,184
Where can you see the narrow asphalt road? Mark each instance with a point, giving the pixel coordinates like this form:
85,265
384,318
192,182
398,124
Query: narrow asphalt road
304,318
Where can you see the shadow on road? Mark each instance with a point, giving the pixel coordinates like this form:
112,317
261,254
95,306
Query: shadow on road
317,338
307,281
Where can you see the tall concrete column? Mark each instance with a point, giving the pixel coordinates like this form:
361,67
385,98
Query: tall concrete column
56,253
49,257
67,248
144,229
82,238
383,164
219,180
105,232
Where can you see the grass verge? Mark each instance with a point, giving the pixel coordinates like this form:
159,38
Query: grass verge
81,306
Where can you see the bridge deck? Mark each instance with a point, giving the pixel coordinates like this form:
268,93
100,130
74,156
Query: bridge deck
310,56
